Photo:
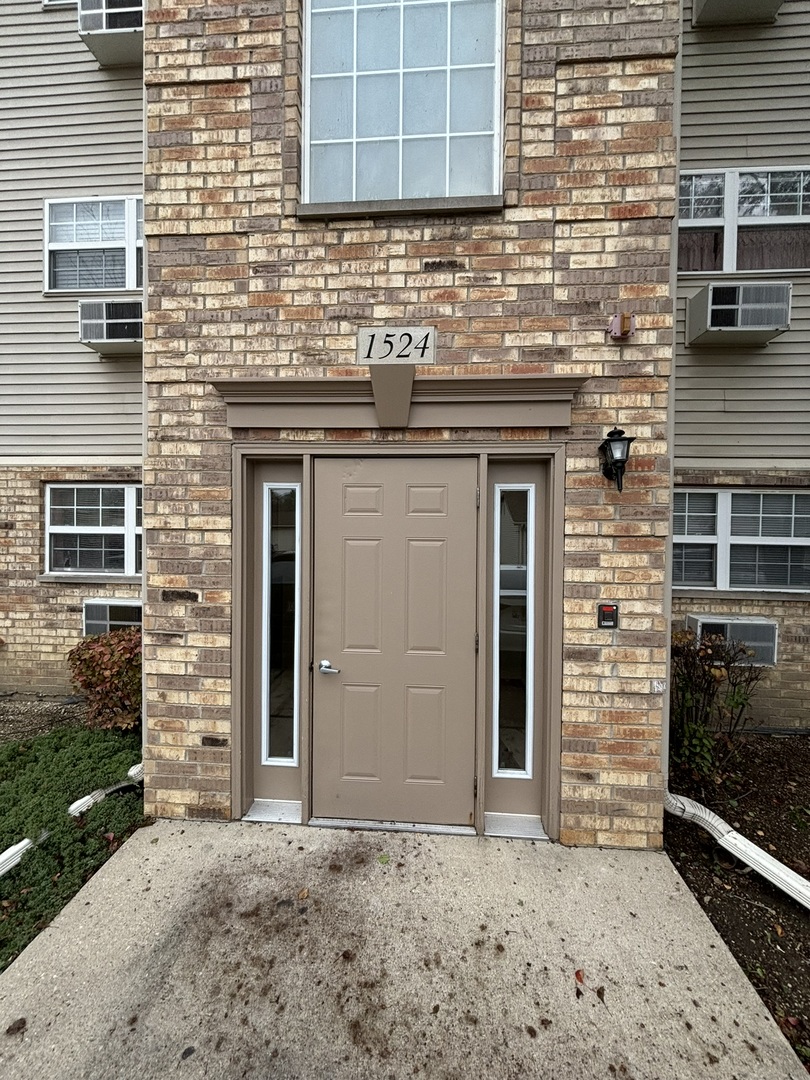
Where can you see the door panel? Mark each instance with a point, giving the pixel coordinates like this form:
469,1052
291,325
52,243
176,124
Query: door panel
395,612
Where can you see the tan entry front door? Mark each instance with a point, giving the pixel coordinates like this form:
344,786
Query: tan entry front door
395,620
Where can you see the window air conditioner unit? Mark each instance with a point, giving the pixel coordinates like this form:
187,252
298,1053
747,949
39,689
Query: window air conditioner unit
742,313
757,634
111,327
734,12
112,30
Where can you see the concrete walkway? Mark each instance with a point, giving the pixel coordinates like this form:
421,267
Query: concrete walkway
262,951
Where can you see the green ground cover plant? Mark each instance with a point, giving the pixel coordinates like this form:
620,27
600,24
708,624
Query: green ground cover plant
38,781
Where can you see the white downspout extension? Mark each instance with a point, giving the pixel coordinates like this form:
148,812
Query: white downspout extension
776,872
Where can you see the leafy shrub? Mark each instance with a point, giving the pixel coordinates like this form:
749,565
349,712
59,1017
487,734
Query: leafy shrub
106,668
712,684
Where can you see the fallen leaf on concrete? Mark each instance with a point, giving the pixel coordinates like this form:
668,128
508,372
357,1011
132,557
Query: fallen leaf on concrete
579,975
384,860
303,894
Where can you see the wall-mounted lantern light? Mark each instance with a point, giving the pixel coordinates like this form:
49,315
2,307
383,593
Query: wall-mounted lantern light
613,454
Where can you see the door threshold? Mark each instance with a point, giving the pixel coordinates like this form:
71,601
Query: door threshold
392,826
281,811
518,826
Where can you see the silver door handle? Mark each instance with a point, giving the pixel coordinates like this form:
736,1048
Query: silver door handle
325,668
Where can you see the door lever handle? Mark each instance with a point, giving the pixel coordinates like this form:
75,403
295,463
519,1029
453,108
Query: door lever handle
325,668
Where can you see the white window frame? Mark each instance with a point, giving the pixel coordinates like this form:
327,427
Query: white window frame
129,530
731,218
723,541
105,11
108,602
498,107
289,762
520,774
130,244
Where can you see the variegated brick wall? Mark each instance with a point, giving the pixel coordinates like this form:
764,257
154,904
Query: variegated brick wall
240,287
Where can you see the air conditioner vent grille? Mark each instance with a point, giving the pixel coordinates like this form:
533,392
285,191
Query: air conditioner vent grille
111,326
738,313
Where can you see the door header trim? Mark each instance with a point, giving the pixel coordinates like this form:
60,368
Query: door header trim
538,401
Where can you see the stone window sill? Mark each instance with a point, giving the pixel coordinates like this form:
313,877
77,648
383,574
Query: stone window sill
401,207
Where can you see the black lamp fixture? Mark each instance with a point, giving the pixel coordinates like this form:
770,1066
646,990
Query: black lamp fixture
613,454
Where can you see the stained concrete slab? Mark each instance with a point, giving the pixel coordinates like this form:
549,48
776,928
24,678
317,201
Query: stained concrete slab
228,951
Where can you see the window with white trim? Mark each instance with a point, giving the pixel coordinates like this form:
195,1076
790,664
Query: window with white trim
734,220
94,244
93,529
102,616
742,540
402,99
281,624
513,631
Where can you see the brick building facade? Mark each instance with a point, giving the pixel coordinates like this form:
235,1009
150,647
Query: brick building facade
255,298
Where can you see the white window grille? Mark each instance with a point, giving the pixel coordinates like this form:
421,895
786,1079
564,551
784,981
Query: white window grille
740,220
402,100
101,616
110,15
742,540
94,244
93,529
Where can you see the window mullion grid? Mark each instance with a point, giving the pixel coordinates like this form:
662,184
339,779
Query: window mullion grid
731,210
354,99
723,539
305,104
401,128
499,99
448,124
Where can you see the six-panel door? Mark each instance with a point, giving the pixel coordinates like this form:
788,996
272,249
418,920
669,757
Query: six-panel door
395,617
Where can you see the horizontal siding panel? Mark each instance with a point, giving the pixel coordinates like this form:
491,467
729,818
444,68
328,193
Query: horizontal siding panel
722,395
87,413
67,129
745,91
127,372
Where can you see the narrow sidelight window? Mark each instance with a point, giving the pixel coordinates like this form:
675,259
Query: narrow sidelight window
513,630
281,623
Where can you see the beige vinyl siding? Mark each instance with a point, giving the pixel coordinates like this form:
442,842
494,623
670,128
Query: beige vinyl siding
745,406
746,95
746,100
67,130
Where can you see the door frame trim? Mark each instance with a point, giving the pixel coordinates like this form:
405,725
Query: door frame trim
245,454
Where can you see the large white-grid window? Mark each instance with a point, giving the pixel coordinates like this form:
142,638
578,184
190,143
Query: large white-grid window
94,244
742,540
402,100
736,220
93,529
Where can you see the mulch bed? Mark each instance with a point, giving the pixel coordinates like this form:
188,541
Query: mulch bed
765,795
22,716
